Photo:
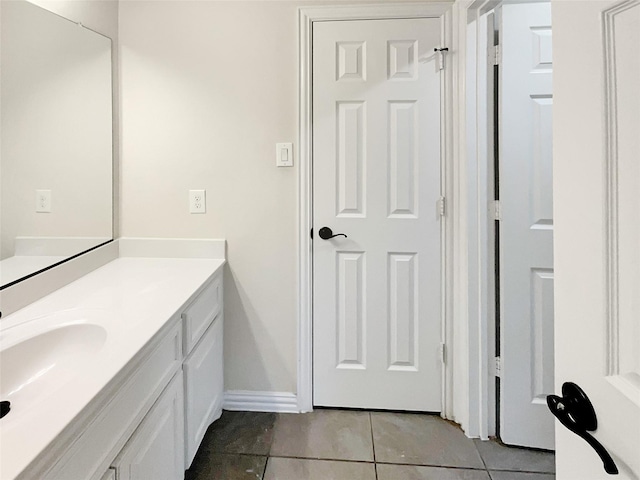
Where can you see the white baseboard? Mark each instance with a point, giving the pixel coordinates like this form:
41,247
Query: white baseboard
278,402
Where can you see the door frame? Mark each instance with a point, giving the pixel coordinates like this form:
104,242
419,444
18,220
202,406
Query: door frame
306,17
478,407
474,289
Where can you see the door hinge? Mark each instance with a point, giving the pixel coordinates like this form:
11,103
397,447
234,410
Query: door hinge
498,367
441,206
496,210
495,55
442,353
440,52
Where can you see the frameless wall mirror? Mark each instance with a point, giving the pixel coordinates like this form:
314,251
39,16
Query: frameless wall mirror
56,140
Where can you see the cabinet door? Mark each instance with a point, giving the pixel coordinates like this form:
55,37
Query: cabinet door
155,450
204,386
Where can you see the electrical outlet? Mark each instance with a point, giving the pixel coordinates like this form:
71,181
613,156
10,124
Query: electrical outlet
197,201
43,201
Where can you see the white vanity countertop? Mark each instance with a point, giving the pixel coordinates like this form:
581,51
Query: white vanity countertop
131,299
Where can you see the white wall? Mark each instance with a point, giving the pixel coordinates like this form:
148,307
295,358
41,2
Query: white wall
208,88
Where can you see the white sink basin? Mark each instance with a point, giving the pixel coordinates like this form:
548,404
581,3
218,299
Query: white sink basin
36,366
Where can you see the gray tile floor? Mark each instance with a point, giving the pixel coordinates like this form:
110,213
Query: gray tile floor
356,445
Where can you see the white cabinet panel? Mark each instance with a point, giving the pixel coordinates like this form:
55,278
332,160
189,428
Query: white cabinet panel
203,386
155,449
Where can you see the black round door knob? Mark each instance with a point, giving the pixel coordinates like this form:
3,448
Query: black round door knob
326,233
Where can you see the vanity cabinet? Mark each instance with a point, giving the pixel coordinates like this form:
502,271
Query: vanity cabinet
127,403
203,386
155,449
150,420
167,440
203,365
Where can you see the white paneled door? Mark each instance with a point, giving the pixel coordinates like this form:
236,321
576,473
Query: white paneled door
526,228
596,189
376,179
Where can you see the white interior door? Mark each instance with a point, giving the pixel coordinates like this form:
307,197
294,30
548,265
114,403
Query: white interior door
376,178
597,236
526,228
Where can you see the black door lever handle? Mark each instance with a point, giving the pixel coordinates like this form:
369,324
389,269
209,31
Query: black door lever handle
575,411
326,233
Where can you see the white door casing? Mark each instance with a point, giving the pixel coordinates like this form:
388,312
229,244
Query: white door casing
376,178
526,225
597,233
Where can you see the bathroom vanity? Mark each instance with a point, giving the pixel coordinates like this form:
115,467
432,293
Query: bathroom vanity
117,375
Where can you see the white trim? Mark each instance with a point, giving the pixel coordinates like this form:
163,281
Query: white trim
612,202
447,172
306,17
458,407
248,401
611,181
373,12
305,216
475,321
485,266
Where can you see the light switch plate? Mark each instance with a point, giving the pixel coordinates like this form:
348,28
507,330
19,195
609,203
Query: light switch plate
43,201
197,201
284,154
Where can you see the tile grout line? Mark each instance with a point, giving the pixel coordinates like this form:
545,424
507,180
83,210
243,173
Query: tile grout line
264,471
511,470
344,460
272,434
373,442
321,459
432,465
481,458
435,465
373,446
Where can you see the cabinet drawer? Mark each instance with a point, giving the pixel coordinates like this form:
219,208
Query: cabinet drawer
89,456
204,387
199,315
